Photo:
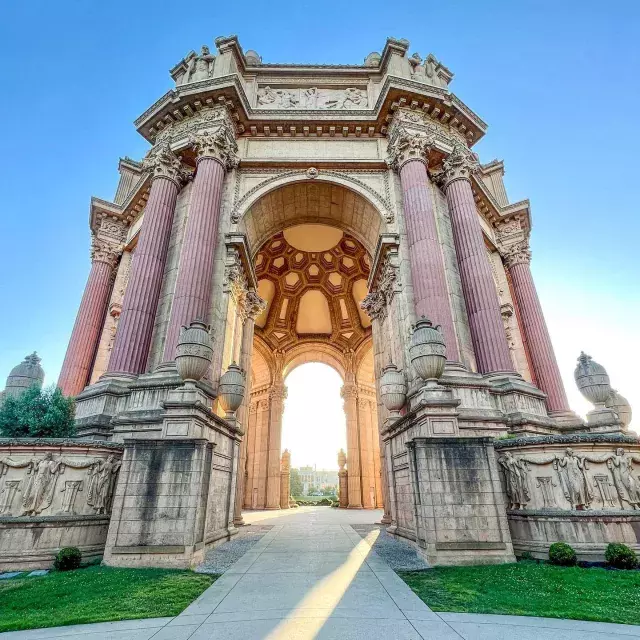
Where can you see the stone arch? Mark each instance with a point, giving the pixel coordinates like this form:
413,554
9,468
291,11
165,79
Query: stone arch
293,199
321,352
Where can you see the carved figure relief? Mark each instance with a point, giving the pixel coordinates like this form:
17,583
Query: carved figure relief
517,483
102,479
429,71
200,67
575,483
312,98
627,487
41,484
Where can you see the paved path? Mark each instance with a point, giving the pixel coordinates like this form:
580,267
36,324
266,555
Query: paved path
312,576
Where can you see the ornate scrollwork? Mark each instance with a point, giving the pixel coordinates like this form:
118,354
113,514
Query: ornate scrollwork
161,162
461,164
405,145
254,305
105,251
518,253
218,143
374,305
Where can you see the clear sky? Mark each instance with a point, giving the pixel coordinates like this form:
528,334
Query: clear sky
557,82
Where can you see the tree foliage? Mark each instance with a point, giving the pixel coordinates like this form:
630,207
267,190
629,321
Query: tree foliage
295,484
38,413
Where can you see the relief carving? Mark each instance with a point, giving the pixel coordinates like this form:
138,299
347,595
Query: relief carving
102,480
628,488
312,98
516,477
429,71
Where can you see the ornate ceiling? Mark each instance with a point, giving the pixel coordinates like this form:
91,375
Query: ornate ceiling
315,294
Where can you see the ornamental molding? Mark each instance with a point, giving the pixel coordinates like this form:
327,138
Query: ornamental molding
105,251
518,253
212,118
406,145
162,162
217,143
460,164
384,281
235,280
381,202
254,305
311,98
113,229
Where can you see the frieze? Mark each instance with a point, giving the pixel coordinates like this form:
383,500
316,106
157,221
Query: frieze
50,485
311,98
206,118
574,480
114,228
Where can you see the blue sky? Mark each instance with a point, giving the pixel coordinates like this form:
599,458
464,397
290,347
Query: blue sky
557,82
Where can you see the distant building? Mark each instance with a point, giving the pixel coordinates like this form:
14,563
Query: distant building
318,478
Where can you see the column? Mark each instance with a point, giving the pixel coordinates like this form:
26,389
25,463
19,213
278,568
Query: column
478,286
408,155
253,307
192,295
83,343
285,479
131,346
367,465
277,395
349,393
543,358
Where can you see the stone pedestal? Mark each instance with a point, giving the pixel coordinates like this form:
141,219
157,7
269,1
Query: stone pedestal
343,482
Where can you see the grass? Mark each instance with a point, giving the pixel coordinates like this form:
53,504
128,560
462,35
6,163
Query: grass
96,594
531,589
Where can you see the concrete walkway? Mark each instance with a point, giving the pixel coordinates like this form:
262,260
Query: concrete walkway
312,576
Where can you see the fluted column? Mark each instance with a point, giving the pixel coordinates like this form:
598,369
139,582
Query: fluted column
253,306
349,393
277,395
543,358
83,343
131,347
478,286
192,295
408,155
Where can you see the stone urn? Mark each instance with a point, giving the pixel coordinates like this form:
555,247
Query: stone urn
592,380
393,389
427,351
620,405
231,389
342,459
194,351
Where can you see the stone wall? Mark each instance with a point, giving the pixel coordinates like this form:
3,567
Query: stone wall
582,489
54,494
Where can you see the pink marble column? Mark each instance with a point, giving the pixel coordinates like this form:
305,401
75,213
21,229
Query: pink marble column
541,351
83,343
277,395
430,291
133,338
478,286
192,295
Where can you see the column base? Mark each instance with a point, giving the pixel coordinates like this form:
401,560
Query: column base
567,420
385,520
272,508
604,421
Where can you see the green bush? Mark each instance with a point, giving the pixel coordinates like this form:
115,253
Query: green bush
67,559
562,554
38,413
620,556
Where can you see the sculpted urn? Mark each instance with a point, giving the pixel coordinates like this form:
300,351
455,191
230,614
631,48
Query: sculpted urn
592,380
427,351
194,351
231,389
393,389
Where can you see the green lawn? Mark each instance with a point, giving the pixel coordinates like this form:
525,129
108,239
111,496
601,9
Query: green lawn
531,589
96,594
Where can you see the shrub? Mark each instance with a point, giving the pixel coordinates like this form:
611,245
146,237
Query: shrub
562,554
620,556
526,556
38,413
67,559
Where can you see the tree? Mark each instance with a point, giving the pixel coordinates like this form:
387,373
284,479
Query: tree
295,484
38,413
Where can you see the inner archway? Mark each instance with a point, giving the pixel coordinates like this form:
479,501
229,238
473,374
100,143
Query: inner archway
311,248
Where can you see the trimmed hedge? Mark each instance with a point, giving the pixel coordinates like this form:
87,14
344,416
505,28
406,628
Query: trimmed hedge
67,559
620,556
562,555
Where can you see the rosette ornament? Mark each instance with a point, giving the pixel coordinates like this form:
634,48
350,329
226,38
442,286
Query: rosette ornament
194,351
427,351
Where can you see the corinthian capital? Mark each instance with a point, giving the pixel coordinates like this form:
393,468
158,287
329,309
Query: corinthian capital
459,165
161,162
105,251
518,253
374,305
405,145
254,305
218,143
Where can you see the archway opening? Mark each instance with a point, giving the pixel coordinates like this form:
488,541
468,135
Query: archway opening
314,430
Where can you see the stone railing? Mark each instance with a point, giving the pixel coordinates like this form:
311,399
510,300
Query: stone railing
54,493
583,489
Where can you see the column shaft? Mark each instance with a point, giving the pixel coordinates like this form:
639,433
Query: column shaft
135,327
543,357
83,343
350,395
277,395
481,298
431,295
192,295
